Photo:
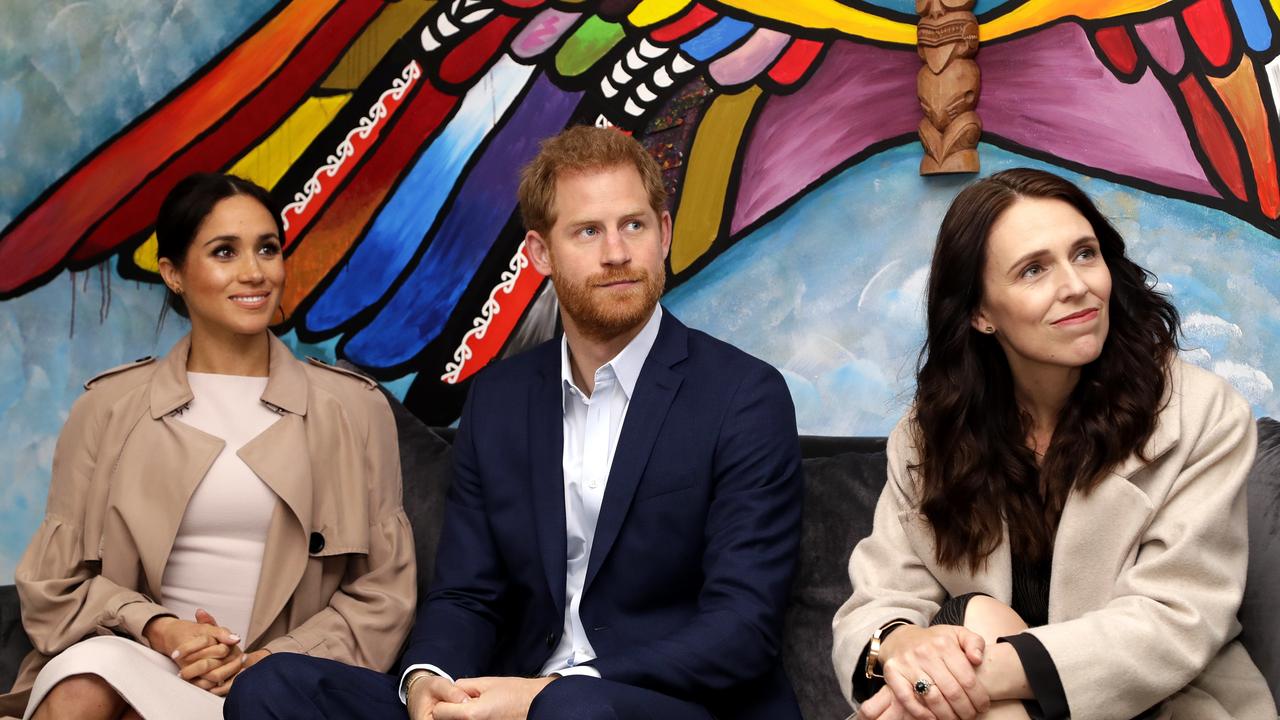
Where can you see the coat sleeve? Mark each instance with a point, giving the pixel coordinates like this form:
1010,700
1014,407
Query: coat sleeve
369,616
63,597
1175,607
889,579
752,537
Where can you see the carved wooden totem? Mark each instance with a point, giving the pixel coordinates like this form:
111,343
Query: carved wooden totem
947,85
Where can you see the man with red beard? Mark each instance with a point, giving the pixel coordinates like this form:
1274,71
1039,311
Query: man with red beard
621,531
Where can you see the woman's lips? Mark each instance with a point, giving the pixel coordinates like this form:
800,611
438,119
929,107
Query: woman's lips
251,302
1076,318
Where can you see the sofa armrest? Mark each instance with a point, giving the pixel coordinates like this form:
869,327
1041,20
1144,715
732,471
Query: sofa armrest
1261,634
14,644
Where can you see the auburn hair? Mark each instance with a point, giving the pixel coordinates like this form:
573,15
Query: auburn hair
579,149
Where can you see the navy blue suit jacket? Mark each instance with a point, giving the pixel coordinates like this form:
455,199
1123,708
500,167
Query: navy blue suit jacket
694,548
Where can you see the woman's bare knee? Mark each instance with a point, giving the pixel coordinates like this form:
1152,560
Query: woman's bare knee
81,696
1006,710
992,619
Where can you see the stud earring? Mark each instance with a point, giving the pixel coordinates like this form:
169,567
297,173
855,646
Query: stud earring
990,330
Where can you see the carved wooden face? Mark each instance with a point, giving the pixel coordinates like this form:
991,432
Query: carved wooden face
950,93
947,30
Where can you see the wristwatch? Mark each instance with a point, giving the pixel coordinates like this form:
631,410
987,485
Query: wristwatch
873,651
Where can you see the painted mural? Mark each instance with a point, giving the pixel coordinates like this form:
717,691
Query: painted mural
392,133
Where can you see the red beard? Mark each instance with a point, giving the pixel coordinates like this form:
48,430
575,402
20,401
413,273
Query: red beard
601,313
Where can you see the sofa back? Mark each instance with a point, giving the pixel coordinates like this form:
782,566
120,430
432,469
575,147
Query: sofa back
843,478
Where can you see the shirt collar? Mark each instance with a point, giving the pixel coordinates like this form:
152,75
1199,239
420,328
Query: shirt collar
626,365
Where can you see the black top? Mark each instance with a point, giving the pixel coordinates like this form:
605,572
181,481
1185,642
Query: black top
1031,589
1031,602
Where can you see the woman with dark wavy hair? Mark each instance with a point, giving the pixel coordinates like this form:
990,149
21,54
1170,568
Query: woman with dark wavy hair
1062,533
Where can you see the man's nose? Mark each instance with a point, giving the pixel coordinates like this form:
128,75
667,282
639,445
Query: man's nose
614,249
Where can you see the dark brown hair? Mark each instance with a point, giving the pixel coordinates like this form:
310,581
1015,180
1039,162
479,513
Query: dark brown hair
975,468
578,149
188,204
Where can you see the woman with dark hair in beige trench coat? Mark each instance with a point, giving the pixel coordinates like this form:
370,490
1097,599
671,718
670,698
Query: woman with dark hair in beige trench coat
1062,533
216,505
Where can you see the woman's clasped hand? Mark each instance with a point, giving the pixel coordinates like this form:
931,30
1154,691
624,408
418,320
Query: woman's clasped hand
207,655
929,673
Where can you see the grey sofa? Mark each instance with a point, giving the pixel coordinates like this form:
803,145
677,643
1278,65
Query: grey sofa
843,478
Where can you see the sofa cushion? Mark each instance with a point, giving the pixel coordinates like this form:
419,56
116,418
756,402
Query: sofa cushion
839,502
426,464
1261,634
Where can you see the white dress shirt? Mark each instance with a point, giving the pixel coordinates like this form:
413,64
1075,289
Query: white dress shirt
591,429
592,425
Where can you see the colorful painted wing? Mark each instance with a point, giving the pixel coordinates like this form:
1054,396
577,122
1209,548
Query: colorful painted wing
1217,61
112,197
393,132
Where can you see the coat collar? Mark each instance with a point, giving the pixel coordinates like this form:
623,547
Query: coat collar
625,366
546,447
669,347
286,380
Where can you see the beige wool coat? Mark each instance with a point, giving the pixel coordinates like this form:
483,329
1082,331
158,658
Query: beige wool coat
338,572
1148,570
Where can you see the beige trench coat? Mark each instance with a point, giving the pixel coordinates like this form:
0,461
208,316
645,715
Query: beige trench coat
338,571
1148,570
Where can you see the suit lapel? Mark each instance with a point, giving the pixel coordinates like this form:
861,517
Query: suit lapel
546,455
654,392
